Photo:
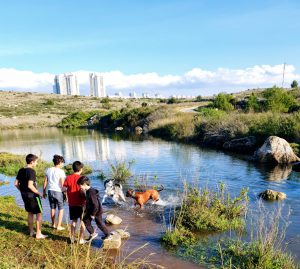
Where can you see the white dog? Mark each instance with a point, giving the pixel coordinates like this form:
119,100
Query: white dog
113,190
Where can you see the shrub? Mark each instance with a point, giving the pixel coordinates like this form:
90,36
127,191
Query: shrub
105,100
278,100
119,171
222,101
172,100
76,119
253,103
206,210
11,163
144,104
49,102
198,98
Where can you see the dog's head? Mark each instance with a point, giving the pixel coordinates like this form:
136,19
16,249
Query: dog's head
108,183
129,193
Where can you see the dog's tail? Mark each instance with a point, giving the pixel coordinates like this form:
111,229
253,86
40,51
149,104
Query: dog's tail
161,188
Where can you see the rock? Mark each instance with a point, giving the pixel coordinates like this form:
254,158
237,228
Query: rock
214,140
296,167
275,150
113,242
113,219
119,128
244,144
138,129
271,195
122,233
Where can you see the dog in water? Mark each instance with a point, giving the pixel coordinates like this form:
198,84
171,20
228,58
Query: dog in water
142,197
113,190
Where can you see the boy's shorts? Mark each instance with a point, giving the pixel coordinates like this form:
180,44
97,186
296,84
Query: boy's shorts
56,199
32,202
75,212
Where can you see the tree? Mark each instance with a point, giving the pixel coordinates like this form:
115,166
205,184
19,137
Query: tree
223,101
294,84
252,103
199,98
278,99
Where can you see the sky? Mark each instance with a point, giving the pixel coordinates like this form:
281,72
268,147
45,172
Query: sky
194,47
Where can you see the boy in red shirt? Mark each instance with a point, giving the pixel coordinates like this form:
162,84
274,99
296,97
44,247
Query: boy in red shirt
76,200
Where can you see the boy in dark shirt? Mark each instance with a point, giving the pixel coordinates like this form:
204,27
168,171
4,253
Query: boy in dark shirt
26,183
93,209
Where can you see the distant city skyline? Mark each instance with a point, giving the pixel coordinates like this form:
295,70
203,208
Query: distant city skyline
168,47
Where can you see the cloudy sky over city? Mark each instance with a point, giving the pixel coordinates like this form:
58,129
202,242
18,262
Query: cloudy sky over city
168,47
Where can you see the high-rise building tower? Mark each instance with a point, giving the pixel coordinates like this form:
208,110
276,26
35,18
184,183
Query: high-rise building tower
96,85
66,84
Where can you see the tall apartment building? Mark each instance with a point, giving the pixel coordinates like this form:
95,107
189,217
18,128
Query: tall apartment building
96,85
66,84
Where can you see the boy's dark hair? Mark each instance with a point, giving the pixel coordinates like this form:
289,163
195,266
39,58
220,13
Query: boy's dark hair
83,180
57,159
77,166
31,158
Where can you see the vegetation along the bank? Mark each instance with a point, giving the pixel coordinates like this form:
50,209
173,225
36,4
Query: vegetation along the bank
207,211
22,251
259,114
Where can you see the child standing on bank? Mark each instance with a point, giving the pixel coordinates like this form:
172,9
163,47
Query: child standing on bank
93,209
54,179
76,200
26,184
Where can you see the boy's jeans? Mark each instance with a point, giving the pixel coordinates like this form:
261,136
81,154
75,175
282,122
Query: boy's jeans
98,218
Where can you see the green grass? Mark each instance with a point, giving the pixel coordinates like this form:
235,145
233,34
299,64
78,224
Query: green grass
120,171
22,251
11,163
2,183
205,210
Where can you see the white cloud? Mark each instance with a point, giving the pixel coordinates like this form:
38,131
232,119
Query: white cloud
195,81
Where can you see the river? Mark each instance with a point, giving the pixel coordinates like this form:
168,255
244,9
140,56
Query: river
170,164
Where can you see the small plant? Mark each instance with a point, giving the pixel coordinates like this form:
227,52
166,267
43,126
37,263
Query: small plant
144,104
120,171
105,100
49,102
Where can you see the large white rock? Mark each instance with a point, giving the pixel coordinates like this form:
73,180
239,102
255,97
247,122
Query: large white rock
113,242
275,150
113,219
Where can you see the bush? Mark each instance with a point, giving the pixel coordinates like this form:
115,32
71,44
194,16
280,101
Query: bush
223,101
278,100
49,102
119,171
11,163
76,119
205,210
105,100
198,98
253,103
172,100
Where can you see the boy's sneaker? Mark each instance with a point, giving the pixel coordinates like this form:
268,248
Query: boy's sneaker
107,236
60,228
82,242
41,236
93,236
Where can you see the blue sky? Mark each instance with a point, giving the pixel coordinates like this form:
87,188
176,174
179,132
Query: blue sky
139,36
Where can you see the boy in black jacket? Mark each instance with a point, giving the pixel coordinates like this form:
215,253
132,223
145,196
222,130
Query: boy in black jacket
93,209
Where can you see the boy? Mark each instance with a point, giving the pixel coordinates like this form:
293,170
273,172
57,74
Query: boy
93,209
26,184
55,178
76,200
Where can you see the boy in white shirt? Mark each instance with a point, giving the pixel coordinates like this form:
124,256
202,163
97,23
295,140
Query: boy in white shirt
54,179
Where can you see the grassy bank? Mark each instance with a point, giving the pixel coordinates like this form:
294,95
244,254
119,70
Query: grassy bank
22,251
11,163
205,210
260,247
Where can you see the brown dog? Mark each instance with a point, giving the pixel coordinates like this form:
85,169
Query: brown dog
143,197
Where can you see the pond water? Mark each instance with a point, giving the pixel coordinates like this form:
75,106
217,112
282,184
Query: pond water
170,164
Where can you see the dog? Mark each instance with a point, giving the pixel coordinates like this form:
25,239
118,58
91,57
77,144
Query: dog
143,197
113,190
